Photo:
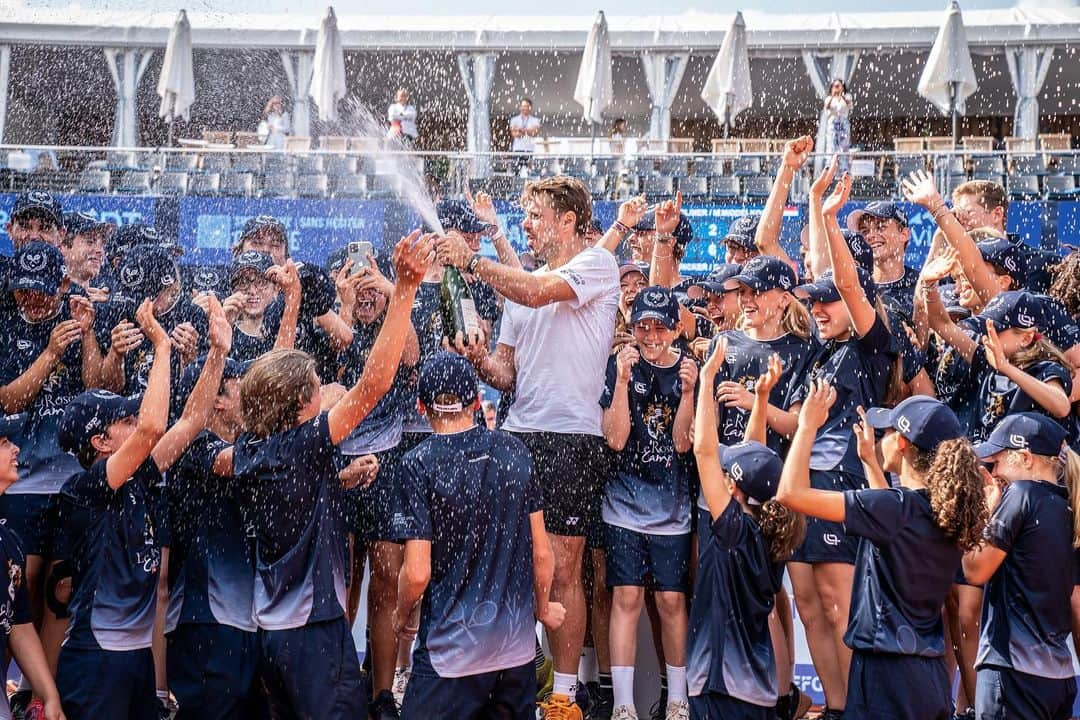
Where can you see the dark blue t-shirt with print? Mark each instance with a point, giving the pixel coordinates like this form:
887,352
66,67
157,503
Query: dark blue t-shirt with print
15,606
381,429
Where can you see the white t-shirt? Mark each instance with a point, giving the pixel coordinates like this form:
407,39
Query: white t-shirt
525,143
406,115
561,350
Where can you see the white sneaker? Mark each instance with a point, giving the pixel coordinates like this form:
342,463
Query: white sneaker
678,710
401,680
624,712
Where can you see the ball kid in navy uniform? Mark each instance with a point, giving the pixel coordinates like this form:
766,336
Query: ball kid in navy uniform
648,403
1024,665
744,540
111,515
858,356
17,634
912,540
49,357
253,291
285,465
470,513
83,247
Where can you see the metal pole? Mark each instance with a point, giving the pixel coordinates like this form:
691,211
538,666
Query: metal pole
955,116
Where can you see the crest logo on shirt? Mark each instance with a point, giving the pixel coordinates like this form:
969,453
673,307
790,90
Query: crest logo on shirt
1018,441
207,278
167,279
33,261
640,388
903,424
23,344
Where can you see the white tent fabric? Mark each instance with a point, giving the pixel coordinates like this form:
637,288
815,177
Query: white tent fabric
593,89
176,85
728,90
126,65
478,74
298,73
663,75
1028,67
823,69
328,75
949,62
5,74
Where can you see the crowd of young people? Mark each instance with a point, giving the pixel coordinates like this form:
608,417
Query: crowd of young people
199,465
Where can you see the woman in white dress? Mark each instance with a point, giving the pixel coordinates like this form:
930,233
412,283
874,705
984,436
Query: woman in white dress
275,124
838,131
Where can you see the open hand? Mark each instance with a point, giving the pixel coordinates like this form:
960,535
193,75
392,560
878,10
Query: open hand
816,406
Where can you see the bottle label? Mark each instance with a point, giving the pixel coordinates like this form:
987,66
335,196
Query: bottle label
469,317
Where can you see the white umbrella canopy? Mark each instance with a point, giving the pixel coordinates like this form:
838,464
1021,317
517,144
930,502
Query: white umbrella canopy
328,75
728,90
593,90
176,86
949,77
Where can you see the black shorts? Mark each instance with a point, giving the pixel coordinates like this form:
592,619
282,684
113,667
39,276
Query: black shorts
1004,694
370,508
107,684
508,694
34,519
213,672
571,470
827,542
885,686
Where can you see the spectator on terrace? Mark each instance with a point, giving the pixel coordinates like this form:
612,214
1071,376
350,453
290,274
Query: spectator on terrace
402,117
275,124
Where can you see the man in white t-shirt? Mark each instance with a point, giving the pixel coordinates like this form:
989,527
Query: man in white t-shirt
402,117
555,337
524,128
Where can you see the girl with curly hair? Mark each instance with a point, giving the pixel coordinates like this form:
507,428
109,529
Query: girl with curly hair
911,540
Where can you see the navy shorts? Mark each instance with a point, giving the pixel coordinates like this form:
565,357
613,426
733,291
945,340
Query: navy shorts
1005,694
631,556
370,508
713,706
312,672
897,687
826,542
212,673
571,469
500,694
96,684
34,519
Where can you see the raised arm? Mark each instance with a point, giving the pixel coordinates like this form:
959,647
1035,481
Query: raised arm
1049,394
867,447
82,312
630,214
664,268
845,273
484,207
682,428
154,410
795,492
707,440
286,278
767,237
757,425
616,419
817,252
412,257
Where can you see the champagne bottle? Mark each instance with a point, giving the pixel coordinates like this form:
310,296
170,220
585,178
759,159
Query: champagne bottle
456,306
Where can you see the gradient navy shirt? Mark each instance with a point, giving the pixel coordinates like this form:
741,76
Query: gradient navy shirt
115,558
1026,612
471,494
381,429
903,570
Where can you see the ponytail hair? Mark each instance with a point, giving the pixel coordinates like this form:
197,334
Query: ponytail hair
783,529
1070,471
796,320
954,481
1039,351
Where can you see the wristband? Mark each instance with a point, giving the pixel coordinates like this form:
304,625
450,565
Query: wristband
623,228
471,267
665,239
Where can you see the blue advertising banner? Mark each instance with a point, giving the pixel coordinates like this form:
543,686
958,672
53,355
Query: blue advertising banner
117,209
210,227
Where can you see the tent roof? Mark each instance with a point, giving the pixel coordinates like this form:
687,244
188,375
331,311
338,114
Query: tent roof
767,33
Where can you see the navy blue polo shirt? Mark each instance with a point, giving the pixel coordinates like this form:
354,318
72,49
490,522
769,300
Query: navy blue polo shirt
649,491
898,296
1026,612
292,496
903,570
43,466
211,555
471,494
729,649
15,609
381,429
115,556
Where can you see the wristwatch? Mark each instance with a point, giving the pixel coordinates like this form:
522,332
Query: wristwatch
471,267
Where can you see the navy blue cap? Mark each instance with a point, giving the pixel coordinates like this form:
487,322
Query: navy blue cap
683,232
1002,254
637,267
657,303
145,271
263,222
951,302
250,260
1014,309
763,273
128,237
446,373
860,249
458,215
714,282
77,223
40,204
89,414
883,209
924,421
37,266
754,468
186,384
336,259
742,231
1024,431
207,278
823,289
12,425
